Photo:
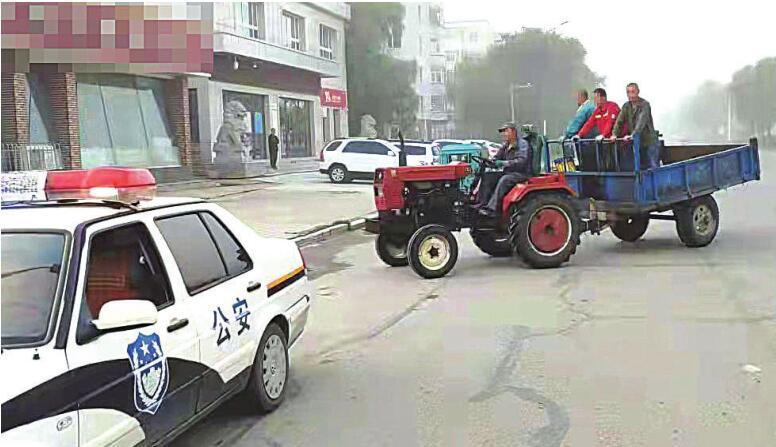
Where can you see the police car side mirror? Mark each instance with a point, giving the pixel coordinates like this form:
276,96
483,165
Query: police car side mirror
125,313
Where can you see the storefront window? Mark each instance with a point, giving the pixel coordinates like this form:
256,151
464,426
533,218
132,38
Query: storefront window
124,122
295,129
41,125
256,138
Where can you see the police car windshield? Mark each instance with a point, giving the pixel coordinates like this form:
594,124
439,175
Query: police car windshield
30,274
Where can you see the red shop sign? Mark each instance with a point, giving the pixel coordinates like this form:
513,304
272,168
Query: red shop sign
334,98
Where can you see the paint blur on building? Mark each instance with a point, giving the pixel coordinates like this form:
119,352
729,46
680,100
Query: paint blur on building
131,84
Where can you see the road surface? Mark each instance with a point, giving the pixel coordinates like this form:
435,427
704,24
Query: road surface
645,344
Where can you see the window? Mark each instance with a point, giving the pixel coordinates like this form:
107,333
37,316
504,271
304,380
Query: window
334,145
413,149
328,38
123,121
31,270
394,37
41,125
206,253
450,55
450,77
124,265
435,46
234,256
293,31
437,103
473,37
249,19
436,76
366,147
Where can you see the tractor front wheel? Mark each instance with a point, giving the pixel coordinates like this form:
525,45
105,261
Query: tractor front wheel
544,230
392,249
433,251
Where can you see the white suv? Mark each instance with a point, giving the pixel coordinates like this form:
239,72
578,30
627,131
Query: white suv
358,158
125,322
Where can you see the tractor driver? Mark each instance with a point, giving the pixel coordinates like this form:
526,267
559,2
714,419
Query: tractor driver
514,158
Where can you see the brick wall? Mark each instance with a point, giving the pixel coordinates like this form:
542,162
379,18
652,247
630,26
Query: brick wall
14,108
63,99
177,104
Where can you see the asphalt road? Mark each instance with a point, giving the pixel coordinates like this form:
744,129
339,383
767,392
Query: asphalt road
645,344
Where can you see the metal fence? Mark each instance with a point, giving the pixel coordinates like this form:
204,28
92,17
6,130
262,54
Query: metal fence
31,157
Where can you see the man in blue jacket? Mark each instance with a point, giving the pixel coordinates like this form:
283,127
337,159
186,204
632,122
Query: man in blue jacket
584,110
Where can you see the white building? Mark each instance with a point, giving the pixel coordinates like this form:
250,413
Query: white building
421,41
285,62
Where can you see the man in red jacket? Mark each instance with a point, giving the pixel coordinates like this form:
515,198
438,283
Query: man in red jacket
603,117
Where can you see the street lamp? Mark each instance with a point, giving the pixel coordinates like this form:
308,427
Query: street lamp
512,88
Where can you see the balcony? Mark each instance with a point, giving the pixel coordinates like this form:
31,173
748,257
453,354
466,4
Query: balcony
226,41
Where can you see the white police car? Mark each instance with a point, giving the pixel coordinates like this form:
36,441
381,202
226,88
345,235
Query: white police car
125,321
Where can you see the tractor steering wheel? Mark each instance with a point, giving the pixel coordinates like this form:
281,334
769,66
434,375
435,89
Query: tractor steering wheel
486,162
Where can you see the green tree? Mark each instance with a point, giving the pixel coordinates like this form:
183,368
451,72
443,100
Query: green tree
754,100
378,84
554,65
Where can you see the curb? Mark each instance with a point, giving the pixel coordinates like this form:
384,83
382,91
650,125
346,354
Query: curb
188,184
332,230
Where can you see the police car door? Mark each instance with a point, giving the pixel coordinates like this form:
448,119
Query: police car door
218,274
136,382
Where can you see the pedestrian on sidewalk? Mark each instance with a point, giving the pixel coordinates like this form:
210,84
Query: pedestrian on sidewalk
273,141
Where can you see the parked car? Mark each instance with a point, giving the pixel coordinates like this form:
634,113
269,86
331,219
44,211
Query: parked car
492,147
347,159
419,153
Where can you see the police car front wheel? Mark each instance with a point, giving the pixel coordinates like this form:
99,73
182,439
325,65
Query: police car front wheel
267,386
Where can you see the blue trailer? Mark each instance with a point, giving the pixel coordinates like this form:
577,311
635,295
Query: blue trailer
615,188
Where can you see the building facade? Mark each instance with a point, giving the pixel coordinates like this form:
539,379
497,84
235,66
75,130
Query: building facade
421,41
285,63
86,85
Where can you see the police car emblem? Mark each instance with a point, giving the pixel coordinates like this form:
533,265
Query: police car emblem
149,365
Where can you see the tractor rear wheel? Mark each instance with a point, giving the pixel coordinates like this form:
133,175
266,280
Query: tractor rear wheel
433,251
492,243
544,230
630,228
392,249
697,221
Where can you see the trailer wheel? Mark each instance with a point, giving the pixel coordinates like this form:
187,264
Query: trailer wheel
544,230
490,243
697,221
630,228
392,249
433,251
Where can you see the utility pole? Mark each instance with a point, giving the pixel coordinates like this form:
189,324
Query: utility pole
730,115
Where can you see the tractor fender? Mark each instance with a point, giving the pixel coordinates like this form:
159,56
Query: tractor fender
550,182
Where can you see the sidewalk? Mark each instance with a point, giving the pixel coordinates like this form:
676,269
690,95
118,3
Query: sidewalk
285,206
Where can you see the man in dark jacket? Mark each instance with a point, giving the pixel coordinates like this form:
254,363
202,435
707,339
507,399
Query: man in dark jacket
273,141
514,158
636,116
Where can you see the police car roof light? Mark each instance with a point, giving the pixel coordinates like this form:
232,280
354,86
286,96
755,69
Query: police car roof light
128,185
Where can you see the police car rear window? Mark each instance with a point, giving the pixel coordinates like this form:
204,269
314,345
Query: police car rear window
203,249
31,269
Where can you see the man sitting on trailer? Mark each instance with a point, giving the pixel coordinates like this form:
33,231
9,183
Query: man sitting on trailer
514,158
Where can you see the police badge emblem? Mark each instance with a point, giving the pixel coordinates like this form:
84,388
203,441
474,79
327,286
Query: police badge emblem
152,375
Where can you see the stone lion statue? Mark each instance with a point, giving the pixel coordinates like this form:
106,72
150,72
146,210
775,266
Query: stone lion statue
368,126
229,146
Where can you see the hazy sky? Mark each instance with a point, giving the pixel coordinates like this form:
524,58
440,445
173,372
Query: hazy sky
668,47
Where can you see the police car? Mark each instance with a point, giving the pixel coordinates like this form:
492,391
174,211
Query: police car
126,318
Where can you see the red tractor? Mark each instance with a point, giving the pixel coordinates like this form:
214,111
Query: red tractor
419,207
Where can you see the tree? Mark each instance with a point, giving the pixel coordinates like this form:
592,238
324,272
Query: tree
754,99
378,84
554,65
